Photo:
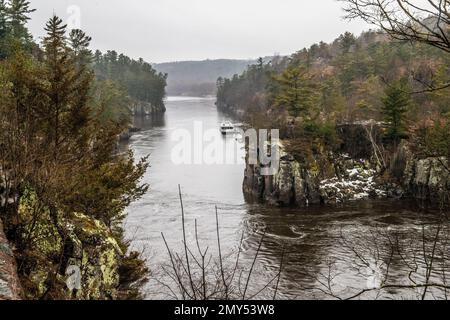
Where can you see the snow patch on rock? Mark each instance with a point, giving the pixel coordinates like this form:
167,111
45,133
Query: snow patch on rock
357,183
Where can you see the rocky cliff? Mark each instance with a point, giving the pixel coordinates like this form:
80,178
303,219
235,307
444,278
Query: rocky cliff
9,281
292,185
66,257
146,108
141,109
353,173
428,180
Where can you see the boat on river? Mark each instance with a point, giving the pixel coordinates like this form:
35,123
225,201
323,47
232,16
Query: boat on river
226,128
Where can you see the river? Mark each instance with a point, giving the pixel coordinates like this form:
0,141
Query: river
322,244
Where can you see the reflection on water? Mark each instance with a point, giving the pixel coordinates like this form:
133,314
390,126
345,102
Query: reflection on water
314,238
146,123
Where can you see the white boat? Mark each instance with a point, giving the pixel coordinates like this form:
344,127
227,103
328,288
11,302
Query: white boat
226,127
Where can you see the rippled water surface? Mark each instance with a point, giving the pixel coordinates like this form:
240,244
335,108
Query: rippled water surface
315,239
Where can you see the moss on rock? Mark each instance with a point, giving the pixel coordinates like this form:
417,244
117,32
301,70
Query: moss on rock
76,240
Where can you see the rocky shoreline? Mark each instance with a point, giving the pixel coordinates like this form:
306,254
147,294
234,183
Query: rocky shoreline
141,109
342,177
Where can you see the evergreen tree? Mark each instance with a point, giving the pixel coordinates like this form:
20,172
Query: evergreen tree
297,91
69,83
395,106
58,138
347,40
79,43
332,102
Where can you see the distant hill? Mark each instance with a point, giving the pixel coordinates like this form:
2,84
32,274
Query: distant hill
198,78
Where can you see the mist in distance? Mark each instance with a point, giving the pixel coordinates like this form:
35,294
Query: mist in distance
177,30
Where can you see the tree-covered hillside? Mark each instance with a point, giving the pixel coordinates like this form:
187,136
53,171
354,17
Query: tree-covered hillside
142,82
354,80
198,78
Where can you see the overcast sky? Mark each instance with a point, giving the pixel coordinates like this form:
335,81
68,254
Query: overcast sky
175,30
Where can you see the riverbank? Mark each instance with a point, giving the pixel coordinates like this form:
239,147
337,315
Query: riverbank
141,109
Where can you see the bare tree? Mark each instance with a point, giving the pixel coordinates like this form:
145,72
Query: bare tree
414,265
426,21
195,274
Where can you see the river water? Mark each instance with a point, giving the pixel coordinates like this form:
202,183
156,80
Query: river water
348,247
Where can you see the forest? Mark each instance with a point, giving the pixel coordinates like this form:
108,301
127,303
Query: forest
63,184
361,118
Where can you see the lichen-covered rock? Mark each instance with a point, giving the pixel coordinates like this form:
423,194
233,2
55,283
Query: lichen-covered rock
293,184
100,258
71,242
254,183
282,186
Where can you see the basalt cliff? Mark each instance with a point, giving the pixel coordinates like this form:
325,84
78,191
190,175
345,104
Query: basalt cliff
356,171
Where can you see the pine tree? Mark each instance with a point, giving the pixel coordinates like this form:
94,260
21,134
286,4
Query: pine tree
332,102
58,76
79,111
3,13
395,106
297,91
57,145
3,29
347,40
140,79
14,15
79,43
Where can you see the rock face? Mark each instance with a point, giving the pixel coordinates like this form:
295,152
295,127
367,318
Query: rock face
9,281
325,178
141,109
300,185
292,185
428,180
